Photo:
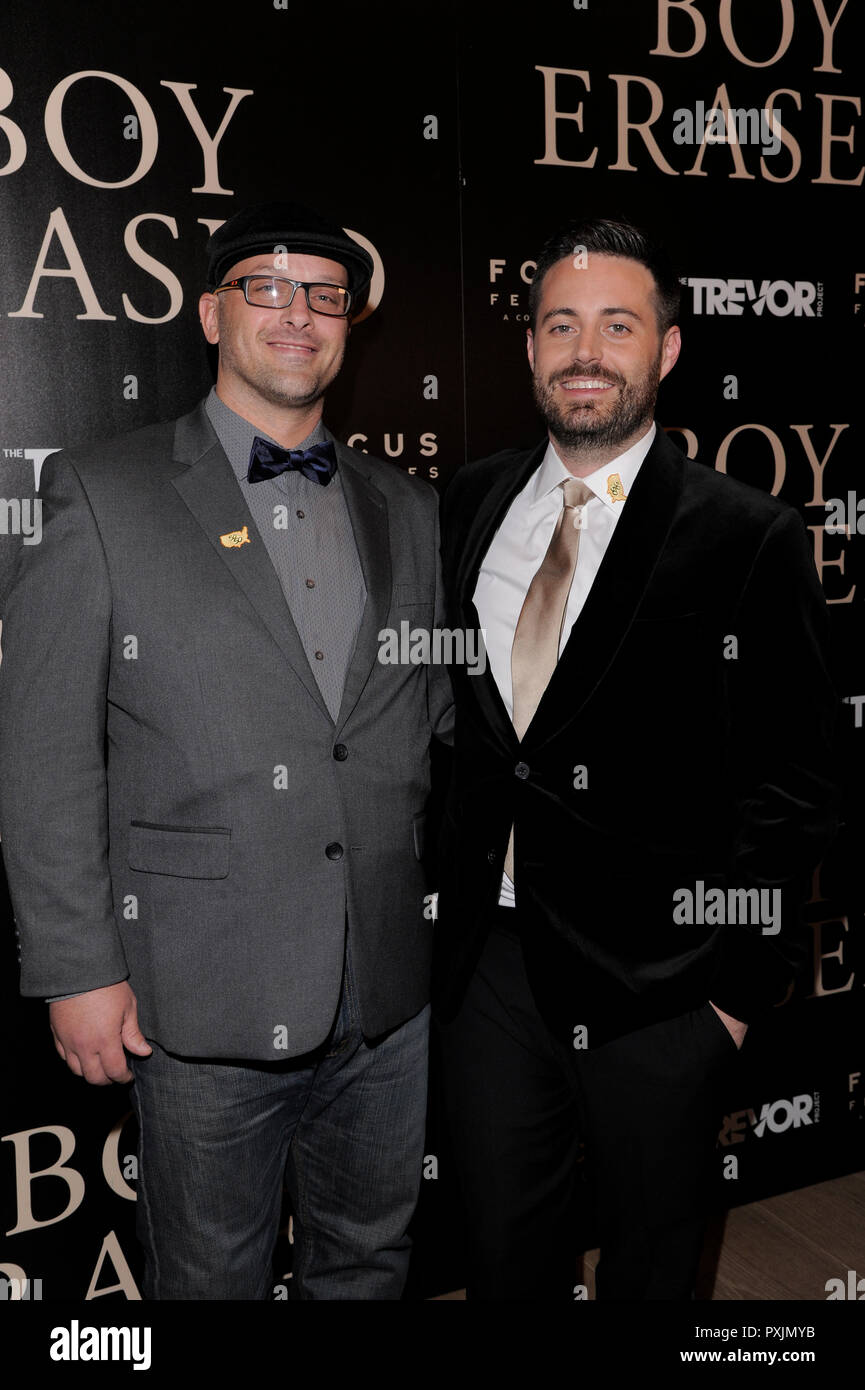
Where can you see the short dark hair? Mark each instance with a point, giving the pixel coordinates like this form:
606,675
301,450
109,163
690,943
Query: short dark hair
608,238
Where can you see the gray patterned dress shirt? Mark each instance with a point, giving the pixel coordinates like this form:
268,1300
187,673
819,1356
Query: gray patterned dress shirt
308,535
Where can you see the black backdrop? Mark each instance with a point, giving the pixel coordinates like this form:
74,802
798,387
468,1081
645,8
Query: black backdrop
452,141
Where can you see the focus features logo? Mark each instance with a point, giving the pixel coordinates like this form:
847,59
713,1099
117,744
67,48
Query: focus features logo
510,281
781,298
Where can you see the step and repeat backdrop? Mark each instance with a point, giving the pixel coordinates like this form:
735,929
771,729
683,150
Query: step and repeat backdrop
450,142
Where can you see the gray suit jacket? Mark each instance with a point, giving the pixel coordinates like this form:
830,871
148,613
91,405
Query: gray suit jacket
176,804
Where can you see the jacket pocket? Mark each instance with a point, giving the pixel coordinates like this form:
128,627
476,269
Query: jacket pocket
409,595
197,852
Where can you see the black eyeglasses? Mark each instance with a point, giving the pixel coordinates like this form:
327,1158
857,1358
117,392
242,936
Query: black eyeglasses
275,292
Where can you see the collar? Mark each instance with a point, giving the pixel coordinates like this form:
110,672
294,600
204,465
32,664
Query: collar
626,465
236,433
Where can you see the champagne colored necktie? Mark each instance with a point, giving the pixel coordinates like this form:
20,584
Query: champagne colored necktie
538,632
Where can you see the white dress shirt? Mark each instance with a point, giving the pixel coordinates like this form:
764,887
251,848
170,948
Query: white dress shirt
519,546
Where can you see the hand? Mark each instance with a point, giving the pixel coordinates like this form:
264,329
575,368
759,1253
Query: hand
734,1026
91,1031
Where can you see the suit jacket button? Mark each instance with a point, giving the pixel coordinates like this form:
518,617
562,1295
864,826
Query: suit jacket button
334,850
491,856
340,752
522,771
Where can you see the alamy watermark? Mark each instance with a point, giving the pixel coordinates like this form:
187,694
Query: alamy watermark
737,125
21,516
437,646
852,1287
717,907
77,1343
846,515
20,1290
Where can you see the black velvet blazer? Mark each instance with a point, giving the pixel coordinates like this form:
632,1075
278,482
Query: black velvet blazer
708,760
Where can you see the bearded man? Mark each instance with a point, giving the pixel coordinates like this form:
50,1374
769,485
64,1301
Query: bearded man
641,789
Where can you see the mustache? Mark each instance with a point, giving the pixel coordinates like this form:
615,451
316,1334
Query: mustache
576,369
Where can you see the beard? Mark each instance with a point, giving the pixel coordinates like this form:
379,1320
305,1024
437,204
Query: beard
590,425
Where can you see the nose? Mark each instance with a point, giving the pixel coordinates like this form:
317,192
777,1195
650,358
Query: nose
589,345
297,314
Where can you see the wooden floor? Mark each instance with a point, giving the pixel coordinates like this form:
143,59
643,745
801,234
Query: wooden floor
782,1248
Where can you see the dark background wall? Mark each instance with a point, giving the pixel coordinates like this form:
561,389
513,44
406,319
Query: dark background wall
453,141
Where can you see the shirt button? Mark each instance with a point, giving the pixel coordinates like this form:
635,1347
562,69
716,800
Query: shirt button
319,656
334,850
301,514
491,856
340,752
310,583
522,771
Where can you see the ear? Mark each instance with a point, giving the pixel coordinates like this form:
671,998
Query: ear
670,349
530,348
208,313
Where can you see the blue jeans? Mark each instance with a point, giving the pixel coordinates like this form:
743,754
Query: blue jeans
344,1126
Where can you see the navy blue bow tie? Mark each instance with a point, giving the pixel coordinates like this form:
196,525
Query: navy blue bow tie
267,460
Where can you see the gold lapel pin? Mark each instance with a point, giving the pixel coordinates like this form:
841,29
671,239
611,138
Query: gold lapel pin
615,489
232,539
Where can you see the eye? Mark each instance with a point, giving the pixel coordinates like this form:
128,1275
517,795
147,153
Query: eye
565,328
623,326
329,296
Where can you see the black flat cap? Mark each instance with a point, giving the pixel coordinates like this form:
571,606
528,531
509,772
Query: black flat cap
270,227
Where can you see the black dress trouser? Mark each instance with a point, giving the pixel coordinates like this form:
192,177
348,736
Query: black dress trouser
520,1100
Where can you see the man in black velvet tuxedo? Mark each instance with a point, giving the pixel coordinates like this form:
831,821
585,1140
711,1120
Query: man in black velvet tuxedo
641,788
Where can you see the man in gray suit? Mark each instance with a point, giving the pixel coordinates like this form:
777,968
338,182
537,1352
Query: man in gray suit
212,791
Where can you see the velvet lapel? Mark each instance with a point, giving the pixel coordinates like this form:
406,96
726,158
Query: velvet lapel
209,489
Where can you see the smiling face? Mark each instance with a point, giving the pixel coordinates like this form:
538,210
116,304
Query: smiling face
276,364
597,357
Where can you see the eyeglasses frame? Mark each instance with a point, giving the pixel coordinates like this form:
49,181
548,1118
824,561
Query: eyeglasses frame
242,281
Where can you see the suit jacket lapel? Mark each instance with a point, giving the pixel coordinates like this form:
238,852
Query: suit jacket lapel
615,595
367,510
209,489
